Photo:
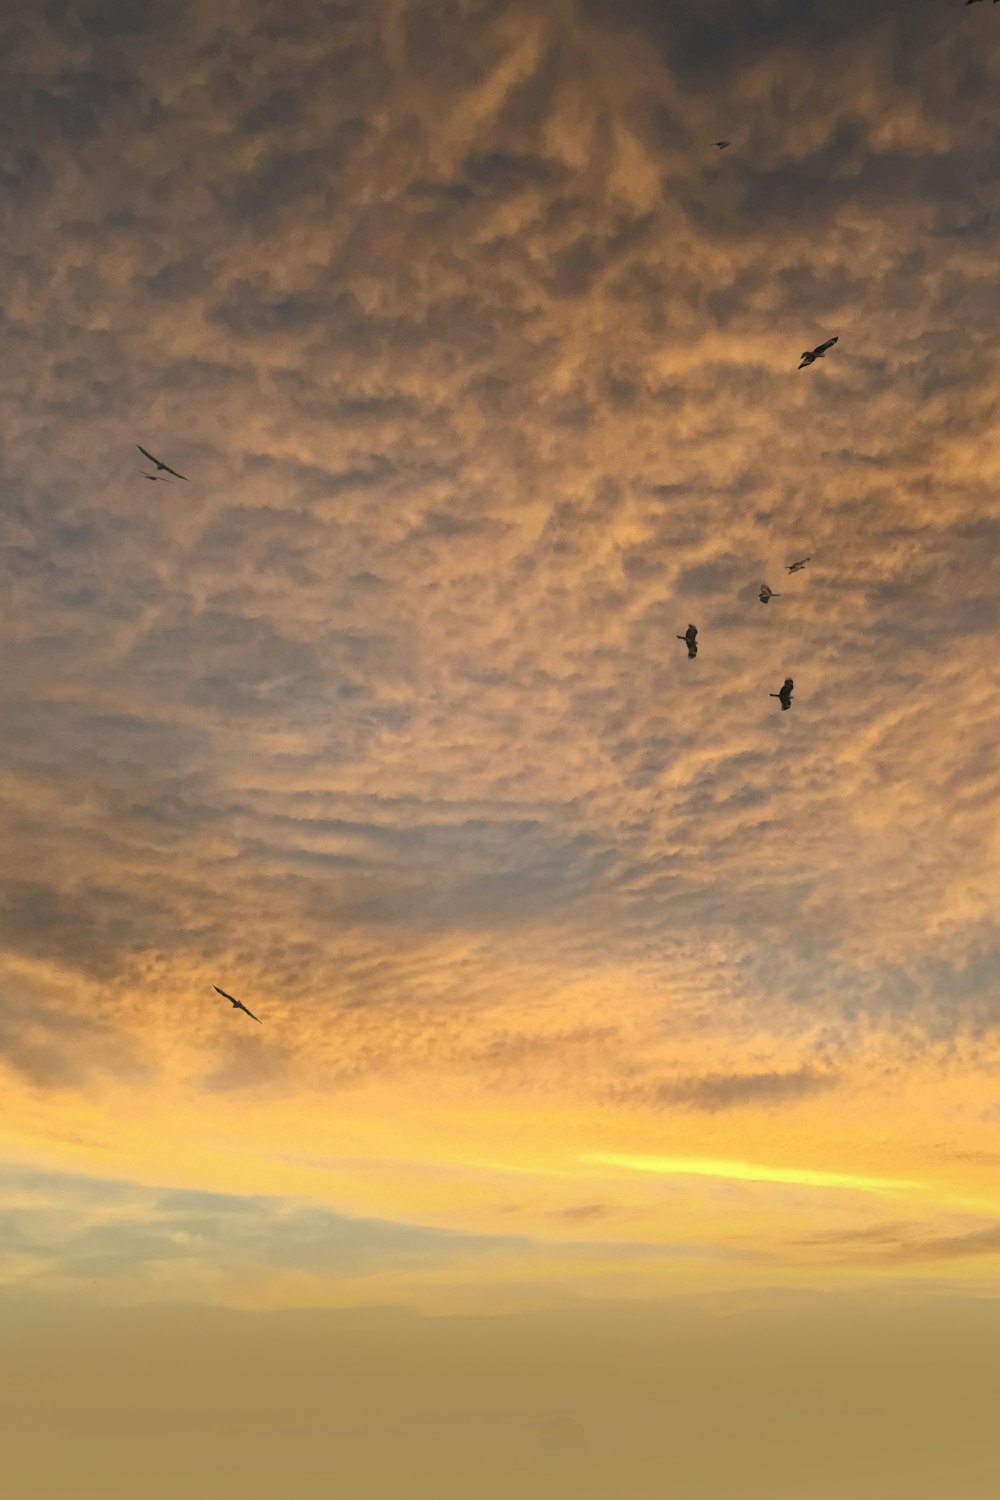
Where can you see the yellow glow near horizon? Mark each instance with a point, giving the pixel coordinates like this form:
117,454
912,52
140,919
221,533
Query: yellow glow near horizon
744,1171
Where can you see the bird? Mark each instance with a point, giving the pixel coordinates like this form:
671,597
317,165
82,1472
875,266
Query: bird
785,694
156,461
809,356
766,594
238,1004
797,566
722,145
690,638
156,478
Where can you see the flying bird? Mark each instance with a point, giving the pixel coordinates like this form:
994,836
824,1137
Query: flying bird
238,1004
766,594
796,566
156,461
785,694
809,356
690,639
722,145
156,478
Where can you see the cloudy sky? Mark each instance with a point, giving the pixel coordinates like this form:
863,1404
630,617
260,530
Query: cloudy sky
595,990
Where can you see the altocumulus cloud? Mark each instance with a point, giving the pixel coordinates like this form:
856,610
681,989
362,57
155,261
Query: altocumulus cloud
481,360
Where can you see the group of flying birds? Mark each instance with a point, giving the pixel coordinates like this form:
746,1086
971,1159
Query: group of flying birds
690,636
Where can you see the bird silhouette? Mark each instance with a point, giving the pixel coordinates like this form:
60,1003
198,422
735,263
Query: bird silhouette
690,639
766,594
785,693
797,566
722,145
159,465
238,1004
809,356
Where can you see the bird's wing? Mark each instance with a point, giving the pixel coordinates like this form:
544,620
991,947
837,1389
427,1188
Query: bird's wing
822,348
147,453
250,1013
223,992
807,359
175,473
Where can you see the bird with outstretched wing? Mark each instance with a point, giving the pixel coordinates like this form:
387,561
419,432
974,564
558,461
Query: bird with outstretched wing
809,356
690,639
237,1003
146,454
796,567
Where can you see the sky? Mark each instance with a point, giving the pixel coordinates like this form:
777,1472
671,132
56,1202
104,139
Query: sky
607,1011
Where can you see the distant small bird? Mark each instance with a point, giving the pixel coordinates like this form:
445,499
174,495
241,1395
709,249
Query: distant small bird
690,639
766,594
239,1003
156,461
797,566
809,356
785,695
722,145
156,478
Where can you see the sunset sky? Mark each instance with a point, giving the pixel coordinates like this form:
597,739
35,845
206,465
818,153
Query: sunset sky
614,1023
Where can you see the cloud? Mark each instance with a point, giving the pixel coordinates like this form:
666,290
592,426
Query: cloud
741,1171
740,1090
481,360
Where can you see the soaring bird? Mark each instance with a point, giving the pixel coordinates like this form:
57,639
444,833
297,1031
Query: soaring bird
722,145
766,594
796,566
238,1004
156,478
156,461
809,356
785,695
690,638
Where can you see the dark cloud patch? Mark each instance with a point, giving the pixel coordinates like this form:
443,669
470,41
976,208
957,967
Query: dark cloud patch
870,1234
582,1212
92,930
903,1243
184,277
721,576
285,181
299,20
281,108
22,170
503,173
450,193
251,312
242,668
718,38
718,1091
110,20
